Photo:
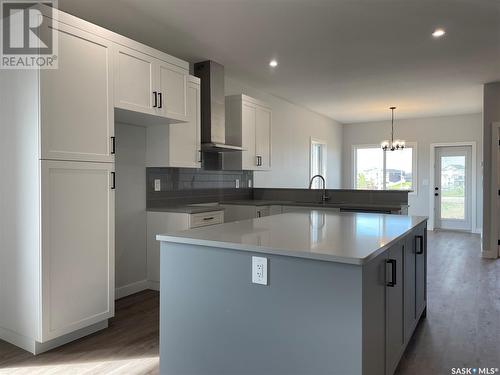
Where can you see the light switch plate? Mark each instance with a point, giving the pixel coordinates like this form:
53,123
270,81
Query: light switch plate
157,184
259,270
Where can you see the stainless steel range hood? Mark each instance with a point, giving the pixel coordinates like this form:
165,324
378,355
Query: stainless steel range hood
213,116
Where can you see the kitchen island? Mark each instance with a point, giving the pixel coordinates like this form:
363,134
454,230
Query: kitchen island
343,295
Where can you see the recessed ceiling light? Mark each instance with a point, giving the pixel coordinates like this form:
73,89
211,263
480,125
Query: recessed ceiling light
438,33
273,63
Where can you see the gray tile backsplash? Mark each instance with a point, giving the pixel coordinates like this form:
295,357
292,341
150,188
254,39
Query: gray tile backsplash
185,185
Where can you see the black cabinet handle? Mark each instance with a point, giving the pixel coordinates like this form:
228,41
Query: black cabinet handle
392,283
208,218
113,180
156,99
419,240
160,96
259,161
113,145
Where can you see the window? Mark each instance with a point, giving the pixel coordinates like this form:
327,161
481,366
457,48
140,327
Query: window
318,161
389,170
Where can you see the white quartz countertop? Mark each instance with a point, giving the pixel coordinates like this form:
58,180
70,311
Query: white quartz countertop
353,238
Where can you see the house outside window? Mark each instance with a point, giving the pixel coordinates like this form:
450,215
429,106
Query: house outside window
375,169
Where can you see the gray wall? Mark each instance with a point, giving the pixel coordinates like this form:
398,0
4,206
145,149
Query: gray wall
130,205
293,126
424,132
214,321
491,113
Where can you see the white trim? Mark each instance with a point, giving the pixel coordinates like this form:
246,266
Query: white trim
432,175
35,347
154,285
324,156
414,167
494,234
131,288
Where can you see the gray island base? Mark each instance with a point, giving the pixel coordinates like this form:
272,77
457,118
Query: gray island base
345,292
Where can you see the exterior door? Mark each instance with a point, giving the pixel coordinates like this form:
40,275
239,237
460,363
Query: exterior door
452,192
77,115
77,255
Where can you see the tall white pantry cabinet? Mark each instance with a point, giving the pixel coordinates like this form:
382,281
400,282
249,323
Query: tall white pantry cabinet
57,185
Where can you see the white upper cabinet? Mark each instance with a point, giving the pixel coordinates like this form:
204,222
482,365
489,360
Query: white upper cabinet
263,138
178,144
76,100
172,91
148,85
134,81
249,123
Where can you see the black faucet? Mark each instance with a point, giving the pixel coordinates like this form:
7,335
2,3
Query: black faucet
325,196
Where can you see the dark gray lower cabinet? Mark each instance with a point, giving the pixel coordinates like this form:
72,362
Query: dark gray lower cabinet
409,286
420,269
395,307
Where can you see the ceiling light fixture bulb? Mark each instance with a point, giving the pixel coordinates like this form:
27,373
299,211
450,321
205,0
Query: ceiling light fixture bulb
273,63
438,33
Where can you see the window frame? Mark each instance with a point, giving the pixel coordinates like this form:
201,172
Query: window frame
412,145
324,157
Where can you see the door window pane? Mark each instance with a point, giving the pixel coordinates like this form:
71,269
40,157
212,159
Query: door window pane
369,168
398,172
453,187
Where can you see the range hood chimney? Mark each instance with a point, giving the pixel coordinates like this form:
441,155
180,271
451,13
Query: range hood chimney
213,113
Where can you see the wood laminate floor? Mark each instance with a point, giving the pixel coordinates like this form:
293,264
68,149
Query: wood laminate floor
462,328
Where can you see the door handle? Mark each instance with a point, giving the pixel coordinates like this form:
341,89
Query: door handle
436,194
436,188
113,145
156,99
113,180
393,264
420,248
160,99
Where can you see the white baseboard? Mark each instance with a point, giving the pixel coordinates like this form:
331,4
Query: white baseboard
489,254
35,347
154,285
46,346
132,288
18,340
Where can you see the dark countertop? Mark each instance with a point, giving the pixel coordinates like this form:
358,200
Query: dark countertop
346,205
187,209
210,207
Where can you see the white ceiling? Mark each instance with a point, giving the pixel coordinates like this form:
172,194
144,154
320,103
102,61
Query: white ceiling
347,59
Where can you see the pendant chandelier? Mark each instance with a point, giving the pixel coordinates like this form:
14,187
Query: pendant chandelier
392,145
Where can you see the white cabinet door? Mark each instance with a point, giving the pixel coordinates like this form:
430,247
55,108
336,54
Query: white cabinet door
76,100
185,138
249,118
77,254
172,101
135,76
263,138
